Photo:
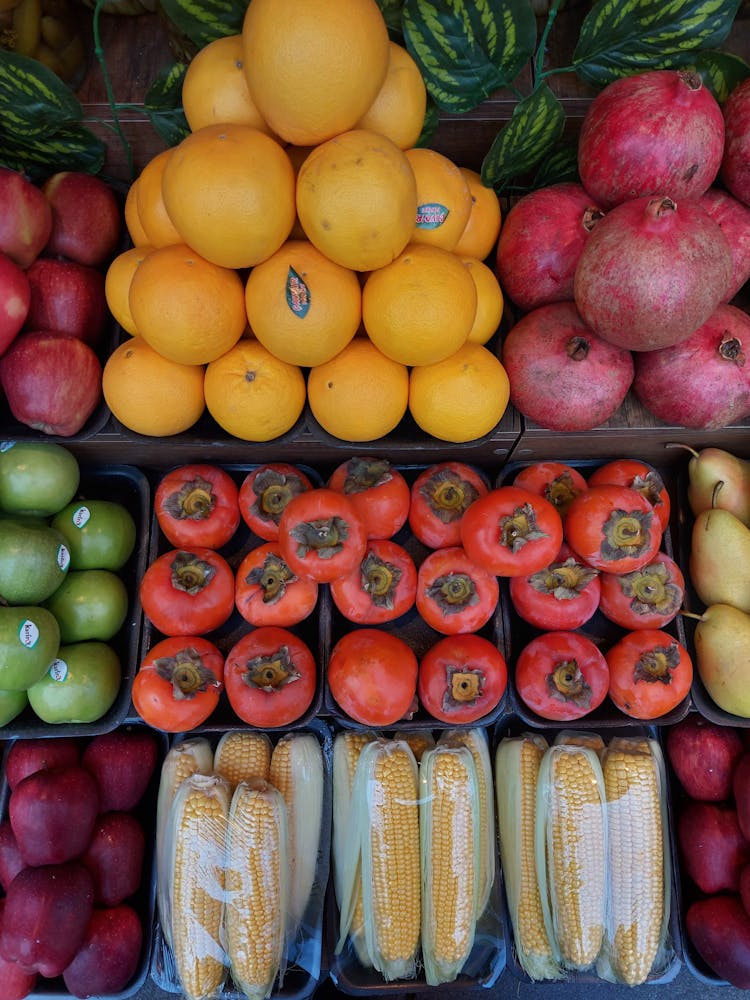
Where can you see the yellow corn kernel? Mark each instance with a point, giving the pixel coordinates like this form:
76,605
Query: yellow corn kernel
449,821
476,741
419,740
347,880
517,762
256,887
197,834
241,755
572,836
635,834
572,738
297,771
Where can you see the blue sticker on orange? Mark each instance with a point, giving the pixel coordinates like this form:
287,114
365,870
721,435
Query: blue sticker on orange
297,294
431,215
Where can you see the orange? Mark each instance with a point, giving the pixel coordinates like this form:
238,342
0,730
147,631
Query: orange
490,300
460,398
357,199
253,395
188,309
483,227
398,110
149,394
229,189
297,156
443,199
117,285
360,395
314,68
419,308
156,223
133,225
214,88
302,306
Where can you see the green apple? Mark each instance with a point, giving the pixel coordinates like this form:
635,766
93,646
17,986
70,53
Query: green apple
89,604
12,703
80,685
34,561
29,641
36,477
100,533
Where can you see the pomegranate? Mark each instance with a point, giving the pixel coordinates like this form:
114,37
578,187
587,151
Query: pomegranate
734,220
658,132
702,382
735,165
540,243
562,376
651,272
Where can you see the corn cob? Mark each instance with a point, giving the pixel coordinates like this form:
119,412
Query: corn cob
419,740
571,835
241,755
385,834
347,747
639,886
257,889
196,851
449,823
517,762
571,738
191,756
476,741
297,771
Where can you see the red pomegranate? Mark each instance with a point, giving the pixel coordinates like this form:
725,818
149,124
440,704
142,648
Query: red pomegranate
735,165
562,376
651,272
540,243
658,132
734,220
704,381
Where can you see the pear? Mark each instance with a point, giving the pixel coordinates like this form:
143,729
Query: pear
719,479
722,648
720,559
34,561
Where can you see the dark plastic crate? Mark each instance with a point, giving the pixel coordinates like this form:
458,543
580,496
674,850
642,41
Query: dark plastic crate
128,486
144,901
602,632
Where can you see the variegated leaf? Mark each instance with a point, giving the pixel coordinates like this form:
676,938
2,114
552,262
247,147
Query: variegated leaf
163,104
466,50
721,72
73,147
621,37
205,21
33,100
392,11
561,165
535,126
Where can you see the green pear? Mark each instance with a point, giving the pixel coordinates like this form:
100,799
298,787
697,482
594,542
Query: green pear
34,561
719,479
720,559
29,641
722,648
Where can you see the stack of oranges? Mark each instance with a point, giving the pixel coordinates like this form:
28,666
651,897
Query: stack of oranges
298,246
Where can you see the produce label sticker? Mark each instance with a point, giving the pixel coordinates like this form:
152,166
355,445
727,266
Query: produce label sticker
28,634
63,558
6,446
58,670
431,215
297,294
81,516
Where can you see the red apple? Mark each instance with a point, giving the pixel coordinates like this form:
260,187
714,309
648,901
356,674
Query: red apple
11,861
108,958
68,298
86,218
34,754
703,755
741,789
719,930
15,296
25,218
114,857
122,761
52,381
712,848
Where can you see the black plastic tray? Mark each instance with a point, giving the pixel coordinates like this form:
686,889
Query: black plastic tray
129,486
144,901
598,628
514,726
313,630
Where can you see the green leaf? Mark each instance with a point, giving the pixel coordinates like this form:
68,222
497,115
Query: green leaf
466,49
534,128
72,147
621,37
561,165
391,11
33,100
204,21
163,104
721,72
